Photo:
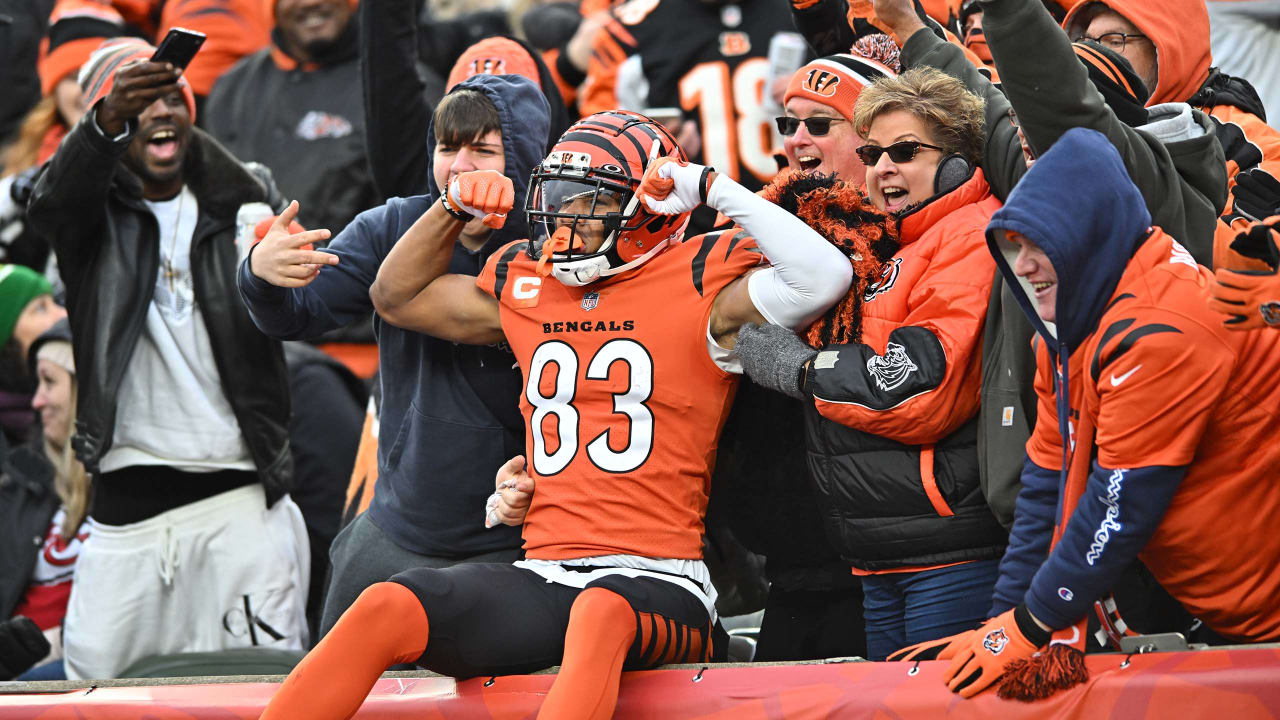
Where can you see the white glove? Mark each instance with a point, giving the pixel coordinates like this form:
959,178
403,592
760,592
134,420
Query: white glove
670,187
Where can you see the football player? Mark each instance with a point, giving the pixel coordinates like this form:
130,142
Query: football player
625,338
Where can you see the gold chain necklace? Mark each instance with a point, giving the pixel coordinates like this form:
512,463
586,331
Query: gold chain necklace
170,272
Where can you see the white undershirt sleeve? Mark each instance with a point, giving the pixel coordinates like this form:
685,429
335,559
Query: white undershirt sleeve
808,274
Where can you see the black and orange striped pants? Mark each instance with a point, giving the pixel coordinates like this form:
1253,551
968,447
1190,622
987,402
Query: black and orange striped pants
498,619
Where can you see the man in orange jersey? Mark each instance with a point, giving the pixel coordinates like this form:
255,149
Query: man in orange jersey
1152,414
625,338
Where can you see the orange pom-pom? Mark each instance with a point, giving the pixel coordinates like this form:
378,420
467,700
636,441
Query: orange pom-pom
1056,668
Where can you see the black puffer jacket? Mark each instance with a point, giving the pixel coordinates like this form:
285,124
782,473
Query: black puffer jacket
876,509
107,243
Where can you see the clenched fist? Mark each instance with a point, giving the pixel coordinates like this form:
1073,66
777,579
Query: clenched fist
510,502
486,194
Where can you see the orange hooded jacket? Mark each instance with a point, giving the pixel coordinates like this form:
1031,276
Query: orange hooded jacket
1210,400
1179,29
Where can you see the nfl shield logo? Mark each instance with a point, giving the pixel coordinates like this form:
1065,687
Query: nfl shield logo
590,300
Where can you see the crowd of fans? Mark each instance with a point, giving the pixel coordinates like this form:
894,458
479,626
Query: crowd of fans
241,388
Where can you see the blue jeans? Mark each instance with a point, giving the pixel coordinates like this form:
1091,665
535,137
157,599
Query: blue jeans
906,608
49,671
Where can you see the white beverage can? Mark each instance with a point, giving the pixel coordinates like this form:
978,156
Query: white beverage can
247,220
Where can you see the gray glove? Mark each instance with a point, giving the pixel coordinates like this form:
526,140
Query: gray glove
773,356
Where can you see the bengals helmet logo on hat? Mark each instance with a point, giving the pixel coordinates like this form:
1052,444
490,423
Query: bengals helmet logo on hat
821,82
489,66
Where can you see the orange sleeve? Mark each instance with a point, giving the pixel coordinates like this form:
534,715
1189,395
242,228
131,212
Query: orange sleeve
612,45
493,276
586,8
1044,447
1158,383
722,257
1224,256
916,381
1248,142
141,14
235,28
568,92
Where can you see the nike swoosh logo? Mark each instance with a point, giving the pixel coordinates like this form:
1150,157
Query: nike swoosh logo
1115,381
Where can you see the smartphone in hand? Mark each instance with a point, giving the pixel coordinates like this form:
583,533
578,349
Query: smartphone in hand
178,47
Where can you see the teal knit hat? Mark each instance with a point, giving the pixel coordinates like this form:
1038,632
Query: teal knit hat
19,285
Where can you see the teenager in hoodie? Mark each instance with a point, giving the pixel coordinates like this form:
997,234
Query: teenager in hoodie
1167,41
1155,434
448,416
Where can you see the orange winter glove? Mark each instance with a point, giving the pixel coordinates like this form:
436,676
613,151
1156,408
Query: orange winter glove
940,649
486,194
1251,298
982,658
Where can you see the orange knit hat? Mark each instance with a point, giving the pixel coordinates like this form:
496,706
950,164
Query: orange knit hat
76,29
494,56
98,73
835,81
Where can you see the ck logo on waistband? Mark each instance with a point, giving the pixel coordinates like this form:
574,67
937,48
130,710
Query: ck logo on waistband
242,621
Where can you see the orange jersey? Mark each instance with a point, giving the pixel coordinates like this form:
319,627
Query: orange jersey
623,403
1162,383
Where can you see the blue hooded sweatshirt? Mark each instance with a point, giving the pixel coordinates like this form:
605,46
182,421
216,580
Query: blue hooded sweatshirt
449,415
1079,206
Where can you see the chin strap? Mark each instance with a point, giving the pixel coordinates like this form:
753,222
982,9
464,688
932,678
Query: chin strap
572,272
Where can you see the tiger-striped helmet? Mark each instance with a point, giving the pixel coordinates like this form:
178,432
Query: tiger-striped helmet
584,193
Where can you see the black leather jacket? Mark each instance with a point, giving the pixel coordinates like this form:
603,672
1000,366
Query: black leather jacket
107,243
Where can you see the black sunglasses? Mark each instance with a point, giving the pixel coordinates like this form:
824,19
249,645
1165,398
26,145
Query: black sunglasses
817,126
899,152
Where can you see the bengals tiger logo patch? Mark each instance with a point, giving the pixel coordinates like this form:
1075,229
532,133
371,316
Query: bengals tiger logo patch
821,82
995,641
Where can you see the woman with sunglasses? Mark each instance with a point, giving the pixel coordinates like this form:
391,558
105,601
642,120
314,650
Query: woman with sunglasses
892,444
